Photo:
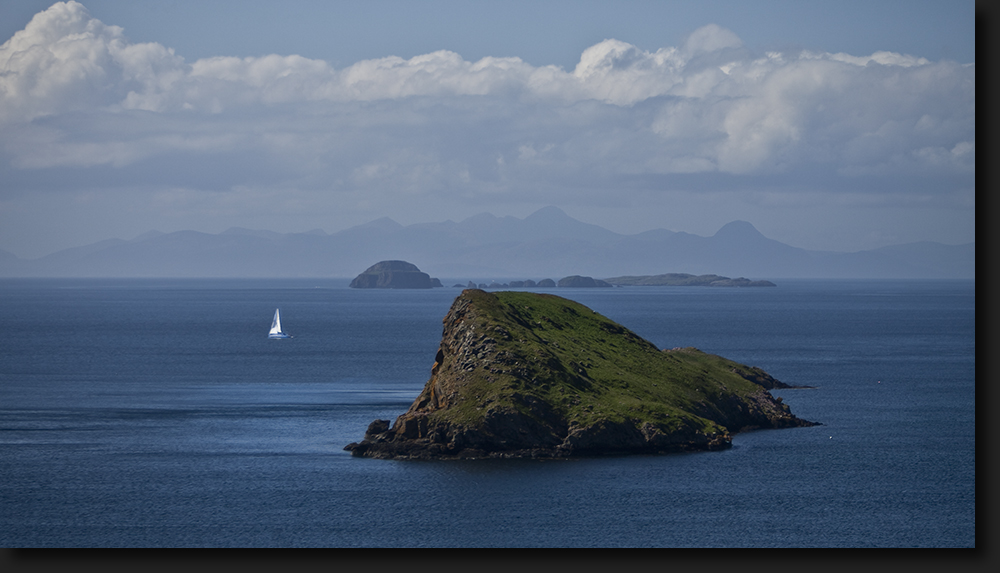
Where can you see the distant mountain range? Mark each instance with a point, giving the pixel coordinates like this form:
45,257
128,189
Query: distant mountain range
545,244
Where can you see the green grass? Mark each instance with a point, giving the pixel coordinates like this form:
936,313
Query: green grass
585,366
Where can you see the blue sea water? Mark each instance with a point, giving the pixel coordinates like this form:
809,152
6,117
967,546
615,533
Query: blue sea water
157,413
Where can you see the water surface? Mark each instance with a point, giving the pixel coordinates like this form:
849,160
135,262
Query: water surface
157,413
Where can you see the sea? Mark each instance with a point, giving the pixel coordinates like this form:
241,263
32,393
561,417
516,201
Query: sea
157,413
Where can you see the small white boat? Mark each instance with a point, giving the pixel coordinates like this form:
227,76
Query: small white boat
276,327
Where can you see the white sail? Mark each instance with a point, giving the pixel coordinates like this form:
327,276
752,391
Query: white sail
276,324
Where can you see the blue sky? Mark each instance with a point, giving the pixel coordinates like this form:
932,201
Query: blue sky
828,125
541,32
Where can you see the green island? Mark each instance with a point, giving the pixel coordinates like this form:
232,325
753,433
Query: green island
684,279
522,374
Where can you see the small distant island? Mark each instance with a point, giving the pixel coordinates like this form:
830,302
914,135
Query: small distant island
577,281
520,374
668,279
683,279
544,283
394,274
404,275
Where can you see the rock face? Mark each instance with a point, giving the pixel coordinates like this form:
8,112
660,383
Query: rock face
394,274
523,374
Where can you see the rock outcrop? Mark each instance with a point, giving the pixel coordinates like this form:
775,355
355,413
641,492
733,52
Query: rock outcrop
577,281
523,374
394,274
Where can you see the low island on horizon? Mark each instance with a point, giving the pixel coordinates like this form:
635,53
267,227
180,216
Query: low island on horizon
684,279
521,374
397,274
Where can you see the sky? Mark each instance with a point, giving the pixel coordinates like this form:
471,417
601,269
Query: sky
828,125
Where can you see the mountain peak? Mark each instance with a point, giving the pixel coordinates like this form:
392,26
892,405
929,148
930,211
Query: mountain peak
548,213
382,224
738,230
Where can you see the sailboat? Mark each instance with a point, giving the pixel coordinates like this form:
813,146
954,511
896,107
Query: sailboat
276,327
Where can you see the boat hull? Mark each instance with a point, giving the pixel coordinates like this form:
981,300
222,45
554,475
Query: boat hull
278,336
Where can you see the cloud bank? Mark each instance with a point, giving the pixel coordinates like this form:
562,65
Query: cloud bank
76,94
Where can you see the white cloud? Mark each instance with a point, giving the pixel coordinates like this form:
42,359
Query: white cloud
64,61
711,38
75,92
884,58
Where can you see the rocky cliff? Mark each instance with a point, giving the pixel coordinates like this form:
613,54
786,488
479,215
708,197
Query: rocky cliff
394,274
523,374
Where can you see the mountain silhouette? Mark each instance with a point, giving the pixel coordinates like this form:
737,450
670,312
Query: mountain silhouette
546,244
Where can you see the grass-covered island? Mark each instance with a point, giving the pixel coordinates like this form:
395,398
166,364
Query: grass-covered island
684,279
523,374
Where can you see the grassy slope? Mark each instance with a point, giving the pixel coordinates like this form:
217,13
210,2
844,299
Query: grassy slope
585,366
